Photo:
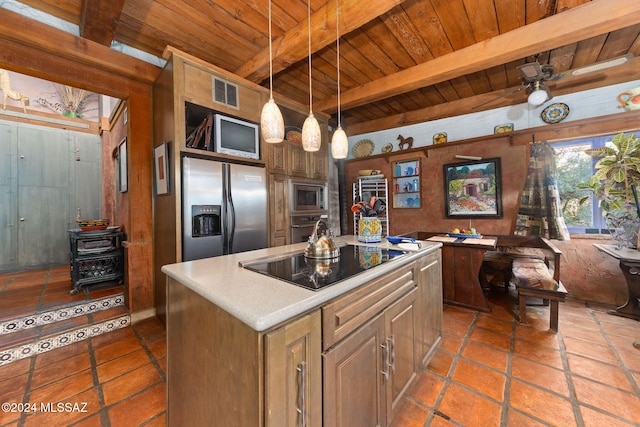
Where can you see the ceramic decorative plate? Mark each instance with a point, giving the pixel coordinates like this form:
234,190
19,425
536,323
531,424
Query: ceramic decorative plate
363,148
440,138
507,127
387,148
555,113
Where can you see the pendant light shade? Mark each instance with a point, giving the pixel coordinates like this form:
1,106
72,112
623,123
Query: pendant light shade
311,139
339,142
271,121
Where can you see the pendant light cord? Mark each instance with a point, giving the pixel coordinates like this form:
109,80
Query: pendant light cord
309,29
270,57
338,52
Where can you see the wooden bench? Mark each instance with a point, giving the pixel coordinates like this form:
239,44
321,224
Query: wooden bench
532,264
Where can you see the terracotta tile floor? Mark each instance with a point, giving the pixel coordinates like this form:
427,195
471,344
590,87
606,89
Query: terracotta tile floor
489,371
493,371
26,292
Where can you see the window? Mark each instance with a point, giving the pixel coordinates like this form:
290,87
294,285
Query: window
574,166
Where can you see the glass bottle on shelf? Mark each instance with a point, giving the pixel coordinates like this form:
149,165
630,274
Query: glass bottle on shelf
415,184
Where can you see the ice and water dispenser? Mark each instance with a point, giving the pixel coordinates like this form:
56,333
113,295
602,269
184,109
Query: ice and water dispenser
206,220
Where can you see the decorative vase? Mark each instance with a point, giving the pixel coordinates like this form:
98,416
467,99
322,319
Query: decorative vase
369,230
70,114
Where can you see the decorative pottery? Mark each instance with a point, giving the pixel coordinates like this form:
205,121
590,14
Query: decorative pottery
440,138
507,127
630,99
369,230
555,113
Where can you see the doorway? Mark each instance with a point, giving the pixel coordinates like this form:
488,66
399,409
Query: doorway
49,174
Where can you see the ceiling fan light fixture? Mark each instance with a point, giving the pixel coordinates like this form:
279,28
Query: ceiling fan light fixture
271,121
537,97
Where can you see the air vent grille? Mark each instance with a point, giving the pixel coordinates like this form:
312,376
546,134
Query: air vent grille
225,93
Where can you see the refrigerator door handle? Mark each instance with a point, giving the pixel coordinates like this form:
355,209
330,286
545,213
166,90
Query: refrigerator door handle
231,211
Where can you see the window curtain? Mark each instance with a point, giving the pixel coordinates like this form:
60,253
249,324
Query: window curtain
540,211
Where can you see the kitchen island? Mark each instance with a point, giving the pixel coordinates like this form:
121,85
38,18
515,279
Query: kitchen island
247,349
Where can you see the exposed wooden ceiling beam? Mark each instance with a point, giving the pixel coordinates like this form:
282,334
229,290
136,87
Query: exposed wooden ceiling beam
293,46
53,41
579,23
564,86
99,18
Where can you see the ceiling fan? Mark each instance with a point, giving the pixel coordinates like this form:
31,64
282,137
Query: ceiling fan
534,78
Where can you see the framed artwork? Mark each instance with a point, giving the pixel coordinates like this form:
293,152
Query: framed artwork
472,189
122,166
161,166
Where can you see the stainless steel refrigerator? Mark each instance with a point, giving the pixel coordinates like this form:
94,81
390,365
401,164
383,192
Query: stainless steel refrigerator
224,208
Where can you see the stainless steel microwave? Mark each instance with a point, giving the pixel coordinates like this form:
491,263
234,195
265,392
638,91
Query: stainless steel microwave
307,197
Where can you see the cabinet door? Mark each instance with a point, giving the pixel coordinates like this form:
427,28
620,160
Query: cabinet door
429,305
400,326
297,160
276,158
319,166
278,211
293,374
354,387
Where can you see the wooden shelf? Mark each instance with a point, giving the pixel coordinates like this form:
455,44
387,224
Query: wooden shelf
605,125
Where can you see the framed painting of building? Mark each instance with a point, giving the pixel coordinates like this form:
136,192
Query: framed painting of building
472,189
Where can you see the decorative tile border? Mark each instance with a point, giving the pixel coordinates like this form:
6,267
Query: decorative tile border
67,312
60,340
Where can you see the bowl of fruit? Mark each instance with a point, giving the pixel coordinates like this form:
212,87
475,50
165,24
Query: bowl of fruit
464,233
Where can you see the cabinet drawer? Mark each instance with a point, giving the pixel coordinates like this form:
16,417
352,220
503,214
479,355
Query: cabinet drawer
344,315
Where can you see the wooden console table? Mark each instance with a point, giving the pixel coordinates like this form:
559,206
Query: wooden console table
630,266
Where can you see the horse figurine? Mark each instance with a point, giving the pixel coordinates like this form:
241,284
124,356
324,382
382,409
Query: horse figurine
405,141
5,86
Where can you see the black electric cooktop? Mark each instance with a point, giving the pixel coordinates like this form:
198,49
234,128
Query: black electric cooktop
317,274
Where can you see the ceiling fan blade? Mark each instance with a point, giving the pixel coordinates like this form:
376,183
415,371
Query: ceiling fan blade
602,65
500,97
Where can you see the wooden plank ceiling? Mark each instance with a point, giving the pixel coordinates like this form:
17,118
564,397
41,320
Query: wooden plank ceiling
402,61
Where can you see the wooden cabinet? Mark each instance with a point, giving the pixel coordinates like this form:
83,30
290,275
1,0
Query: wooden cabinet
277,158
297,160
293,374
222,372
354,390
401,333
370,368
279,223
429,305
347,363
291,159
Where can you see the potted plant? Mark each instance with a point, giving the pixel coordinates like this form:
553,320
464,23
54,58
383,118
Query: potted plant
614,183
72,101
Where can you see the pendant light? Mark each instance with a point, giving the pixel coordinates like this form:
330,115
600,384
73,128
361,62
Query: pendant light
271,121
310,129
339,142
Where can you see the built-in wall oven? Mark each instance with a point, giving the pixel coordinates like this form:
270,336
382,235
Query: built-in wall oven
308,204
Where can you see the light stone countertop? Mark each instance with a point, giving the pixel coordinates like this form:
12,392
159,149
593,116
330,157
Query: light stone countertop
263,302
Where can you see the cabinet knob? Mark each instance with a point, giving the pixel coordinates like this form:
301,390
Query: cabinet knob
22,157
21,219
